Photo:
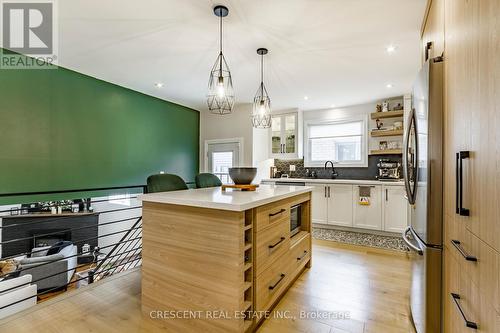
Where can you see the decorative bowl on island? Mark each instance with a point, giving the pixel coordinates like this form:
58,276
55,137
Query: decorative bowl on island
242,176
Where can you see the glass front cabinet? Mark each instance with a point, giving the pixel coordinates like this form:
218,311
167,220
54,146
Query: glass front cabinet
284,141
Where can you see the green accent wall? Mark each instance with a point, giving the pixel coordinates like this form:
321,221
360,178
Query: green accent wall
60,129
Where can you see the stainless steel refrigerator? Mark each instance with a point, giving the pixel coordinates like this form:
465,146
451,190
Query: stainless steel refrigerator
423,175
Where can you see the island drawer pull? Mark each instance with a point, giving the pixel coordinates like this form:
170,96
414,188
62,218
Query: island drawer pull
282,276
277,243
464,254
468,323
302,257
282,210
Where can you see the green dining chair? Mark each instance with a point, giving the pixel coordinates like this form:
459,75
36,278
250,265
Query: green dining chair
165,182
203,180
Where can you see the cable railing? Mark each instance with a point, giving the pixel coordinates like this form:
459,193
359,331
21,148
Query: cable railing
44,254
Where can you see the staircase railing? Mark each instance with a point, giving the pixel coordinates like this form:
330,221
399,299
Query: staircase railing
106,238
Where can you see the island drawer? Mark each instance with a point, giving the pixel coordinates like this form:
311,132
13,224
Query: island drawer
271,243
271,284
299,253
272,214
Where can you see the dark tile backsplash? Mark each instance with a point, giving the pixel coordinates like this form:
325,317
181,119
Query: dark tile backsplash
367,173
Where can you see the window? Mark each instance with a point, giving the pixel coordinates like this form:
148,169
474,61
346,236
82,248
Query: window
221,162
342,141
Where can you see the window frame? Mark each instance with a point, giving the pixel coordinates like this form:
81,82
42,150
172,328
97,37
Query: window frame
308,163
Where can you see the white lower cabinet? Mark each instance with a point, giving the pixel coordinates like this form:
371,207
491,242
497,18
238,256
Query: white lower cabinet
340,205
395,209
332,204
319,206
368,216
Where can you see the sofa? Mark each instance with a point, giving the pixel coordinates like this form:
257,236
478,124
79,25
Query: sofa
44,265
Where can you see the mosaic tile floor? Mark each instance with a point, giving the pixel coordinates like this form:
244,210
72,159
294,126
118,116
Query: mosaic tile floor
360,238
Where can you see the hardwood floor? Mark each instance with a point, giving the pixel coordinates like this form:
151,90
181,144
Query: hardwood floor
369,287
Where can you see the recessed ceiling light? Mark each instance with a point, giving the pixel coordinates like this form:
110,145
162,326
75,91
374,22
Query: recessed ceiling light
389,85
390,49
159,85
306,98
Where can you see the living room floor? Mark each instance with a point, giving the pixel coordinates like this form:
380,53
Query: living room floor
366,289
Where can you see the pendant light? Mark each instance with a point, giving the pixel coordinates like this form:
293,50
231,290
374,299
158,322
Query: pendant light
261,116
220,97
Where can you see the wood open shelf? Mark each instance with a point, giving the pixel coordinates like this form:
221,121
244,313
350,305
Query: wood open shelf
377,133
386,151
387,114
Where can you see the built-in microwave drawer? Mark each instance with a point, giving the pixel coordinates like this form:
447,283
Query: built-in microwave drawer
271,284
272,214
272,243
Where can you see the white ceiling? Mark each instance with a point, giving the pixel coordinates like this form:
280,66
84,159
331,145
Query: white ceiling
332,51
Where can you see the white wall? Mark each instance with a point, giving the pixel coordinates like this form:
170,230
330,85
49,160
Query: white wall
238,124
357,110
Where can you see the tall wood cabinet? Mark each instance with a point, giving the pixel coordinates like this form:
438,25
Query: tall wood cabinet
471,45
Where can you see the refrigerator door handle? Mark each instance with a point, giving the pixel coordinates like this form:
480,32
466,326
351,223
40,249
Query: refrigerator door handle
406,166
410,244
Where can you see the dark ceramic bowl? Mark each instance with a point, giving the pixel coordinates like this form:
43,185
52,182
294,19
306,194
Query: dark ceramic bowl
242,176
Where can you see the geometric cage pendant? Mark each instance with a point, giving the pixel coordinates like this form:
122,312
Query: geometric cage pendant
220,97
261,113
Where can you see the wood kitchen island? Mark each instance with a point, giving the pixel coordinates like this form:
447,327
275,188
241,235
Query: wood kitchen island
217,261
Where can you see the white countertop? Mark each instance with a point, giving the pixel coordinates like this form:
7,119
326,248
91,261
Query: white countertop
336,181
234,200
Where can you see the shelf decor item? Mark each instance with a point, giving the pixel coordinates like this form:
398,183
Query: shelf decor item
261,116
220,97
385,106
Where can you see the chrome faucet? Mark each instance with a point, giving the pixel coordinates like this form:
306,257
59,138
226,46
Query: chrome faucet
333,174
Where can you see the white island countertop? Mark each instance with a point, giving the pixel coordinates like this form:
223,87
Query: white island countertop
234,200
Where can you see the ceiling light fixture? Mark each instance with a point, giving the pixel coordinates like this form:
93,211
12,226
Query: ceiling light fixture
390,49
333,105
389,85
159,85
220,97
261,117
306,98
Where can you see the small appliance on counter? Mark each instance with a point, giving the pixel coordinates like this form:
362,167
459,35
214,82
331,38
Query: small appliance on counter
388,169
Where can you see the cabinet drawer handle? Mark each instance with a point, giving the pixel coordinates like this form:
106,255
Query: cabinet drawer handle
302,257
282,276
468,323
282,210
460,249
277,243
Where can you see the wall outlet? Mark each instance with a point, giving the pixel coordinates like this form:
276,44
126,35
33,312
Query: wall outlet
292,167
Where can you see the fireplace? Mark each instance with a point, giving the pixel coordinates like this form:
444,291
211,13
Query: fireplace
48,237
23,232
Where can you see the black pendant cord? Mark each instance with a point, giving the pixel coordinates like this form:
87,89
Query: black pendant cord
220,43
262,76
